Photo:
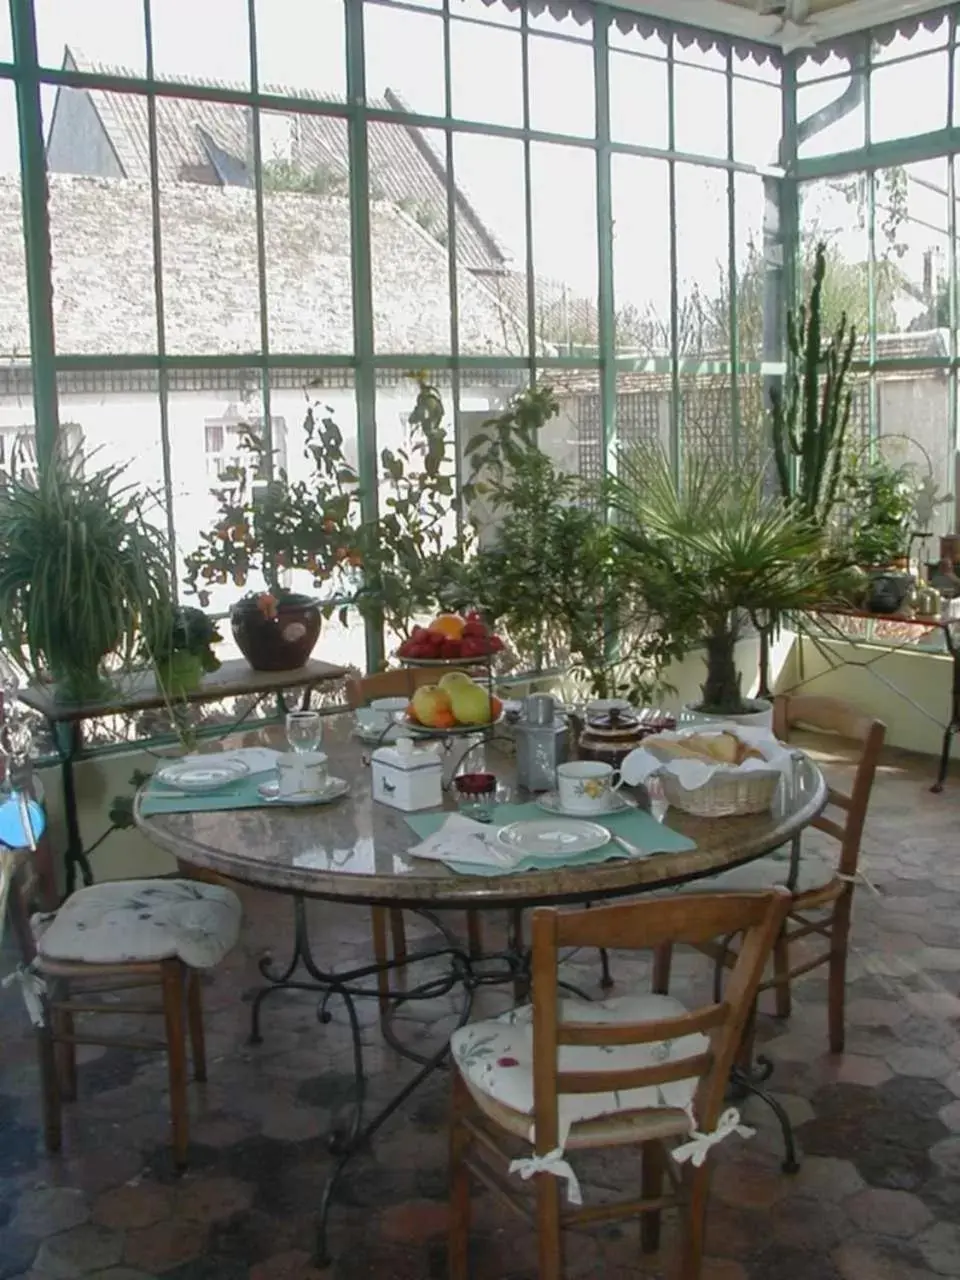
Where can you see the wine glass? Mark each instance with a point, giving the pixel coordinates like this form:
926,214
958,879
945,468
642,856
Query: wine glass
659,804
304,730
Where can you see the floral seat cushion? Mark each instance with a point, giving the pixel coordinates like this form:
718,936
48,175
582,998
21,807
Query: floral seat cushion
142,920
495,1058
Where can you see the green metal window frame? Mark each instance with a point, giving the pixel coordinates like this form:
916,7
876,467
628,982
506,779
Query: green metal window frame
364,362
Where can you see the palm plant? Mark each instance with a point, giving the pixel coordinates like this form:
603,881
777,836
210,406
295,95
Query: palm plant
81,570
711,548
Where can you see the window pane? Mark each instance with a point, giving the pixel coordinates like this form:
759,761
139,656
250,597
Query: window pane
408,239
87,35
917,41
565,246
116,417
306,220
639,108
14,322
821,65
841,135
404,59
208,228
491,245
912,251
836,213
574,438
751,268
578,26
301,48
914,432
101,226
496,13
641,255
481,56
632,39
756,122
201,43
6,40
561,87
700,111
909,97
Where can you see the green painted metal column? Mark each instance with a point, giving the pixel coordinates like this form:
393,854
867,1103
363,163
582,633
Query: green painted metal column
607,328
36,227
366,389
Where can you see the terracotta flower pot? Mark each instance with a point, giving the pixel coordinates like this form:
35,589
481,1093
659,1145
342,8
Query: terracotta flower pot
281,642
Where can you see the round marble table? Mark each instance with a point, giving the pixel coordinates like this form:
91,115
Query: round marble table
356,850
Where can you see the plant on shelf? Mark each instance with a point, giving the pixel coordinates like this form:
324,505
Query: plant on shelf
810,414
82,570
549,568
182,651
414,553
880,499
711,549
274,527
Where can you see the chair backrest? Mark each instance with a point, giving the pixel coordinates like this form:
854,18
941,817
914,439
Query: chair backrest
640,926
833,715
387,684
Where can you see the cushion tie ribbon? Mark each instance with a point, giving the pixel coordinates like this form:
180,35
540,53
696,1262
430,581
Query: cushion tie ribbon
553,1162
32,988
699,1144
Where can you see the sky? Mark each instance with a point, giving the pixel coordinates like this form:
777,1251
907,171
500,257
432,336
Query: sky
300,45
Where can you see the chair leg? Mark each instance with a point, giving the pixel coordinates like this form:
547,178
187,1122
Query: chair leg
398,935
378,926
781,976
65,1052
50,1086
474,934
172,983
549,1243
694,1227
651,1188
662,962
837,988
459,1227
198,1043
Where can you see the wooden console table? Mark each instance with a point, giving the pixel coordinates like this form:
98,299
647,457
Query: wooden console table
137,691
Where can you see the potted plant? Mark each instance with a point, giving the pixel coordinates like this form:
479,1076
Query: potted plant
82,569
880,498
712,549
181,652
276,527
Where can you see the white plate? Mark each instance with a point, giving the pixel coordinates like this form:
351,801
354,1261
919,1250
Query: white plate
202,775
551,802
376,737
553,837
335,788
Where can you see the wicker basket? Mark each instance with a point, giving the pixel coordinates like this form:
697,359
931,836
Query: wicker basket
725,794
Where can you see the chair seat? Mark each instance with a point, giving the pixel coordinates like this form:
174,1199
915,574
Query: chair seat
495,1058
814,872
141,921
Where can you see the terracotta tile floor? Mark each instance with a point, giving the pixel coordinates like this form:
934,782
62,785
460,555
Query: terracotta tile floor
877,1198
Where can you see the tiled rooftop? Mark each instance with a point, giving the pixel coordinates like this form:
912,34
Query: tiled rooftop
877,1197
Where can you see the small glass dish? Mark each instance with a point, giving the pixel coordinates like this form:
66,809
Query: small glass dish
476,795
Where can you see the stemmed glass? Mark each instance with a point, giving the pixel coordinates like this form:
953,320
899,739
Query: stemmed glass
304,730
659,804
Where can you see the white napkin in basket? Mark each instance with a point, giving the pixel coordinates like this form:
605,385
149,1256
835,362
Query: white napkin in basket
692,774
462,840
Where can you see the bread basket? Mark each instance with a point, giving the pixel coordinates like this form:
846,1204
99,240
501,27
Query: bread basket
728,793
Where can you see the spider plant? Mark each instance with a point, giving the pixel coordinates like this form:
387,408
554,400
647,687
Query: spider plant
81,568
712,548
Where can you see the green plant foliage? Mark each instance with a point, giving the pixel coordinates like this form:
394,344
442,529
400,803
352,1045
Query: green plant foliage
711,548
306,524
810,415
880,497
81,569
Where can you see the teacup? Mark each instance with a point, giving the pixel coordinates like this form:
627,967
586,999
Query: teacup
301,773
587,786
380,714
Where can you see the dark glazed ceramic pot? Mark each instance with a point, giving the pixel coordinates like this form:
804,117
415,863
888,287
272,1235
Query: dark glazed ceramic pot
282,642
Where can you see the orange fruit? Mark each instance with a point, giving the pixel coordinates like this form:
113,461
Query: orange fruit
443,720
449,625
496,707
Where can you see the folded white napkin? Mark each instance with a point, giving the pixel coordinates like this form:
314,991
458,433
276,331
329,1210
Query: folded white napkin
462,840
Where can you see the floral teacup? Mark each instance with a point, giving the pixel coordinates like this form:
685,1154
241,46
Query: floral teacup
586,786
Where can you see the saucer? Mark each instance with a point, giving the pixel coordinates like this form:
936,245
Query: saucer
335,788
551,802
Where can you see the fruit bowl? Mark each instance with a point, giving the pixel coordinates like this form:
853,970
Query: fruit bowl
450,731
450,639
457,704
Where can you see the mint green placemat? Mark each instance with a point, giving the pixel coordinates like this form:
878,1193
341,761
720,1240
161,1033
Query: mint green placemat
242,794
634,825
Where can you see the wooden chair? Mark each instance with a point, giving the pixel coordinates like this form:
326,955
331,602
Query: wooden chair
114,937
822,887
633,1071
387,925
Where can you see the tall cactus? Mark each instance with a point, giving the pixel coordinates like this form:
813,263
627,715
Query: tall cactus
810,414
